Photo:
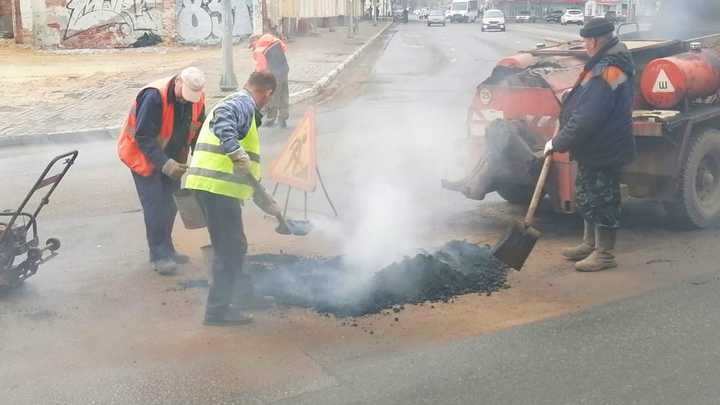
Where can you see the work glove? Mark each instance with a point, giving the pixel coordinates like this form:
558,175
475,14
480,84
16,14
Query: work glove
241,162
174,169
267,204
549,148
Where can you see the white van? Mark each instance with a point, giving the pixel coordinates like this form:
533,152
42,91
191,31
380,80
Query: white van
464,11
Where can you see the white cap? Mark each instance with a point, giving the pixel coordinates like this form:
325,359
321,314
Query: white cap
193,83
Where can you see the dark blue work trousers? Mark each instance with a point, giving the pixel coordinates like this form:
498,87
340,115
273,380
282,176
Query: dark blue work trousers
159,209
223,216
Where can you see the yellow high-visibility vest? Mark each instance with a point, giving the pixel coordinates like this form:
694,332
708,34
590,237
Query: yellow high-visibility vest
211,169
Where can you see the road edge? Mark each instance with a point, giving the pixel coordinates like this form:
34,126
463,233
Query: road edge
103,133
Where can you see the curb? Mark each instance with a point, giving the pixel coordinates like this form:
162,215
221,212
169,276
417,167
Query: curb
328,78
83,135
94,134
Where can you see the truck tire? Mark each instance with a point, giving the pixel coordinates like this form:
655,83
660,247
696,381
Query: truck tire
515,194
697,204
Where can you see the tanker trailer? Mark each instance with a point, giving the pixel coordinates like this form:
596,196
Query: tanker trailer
676,124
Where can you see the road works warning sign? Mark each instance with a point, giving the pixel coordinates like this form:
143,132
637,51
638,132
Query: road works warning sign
296,166
663,83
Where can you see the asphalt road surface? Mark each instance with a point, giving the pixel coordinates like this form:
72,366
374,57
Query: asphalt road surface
96,325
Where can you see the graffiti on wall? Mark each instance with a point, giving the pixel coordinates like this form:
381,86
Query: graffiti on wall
203,20
124,17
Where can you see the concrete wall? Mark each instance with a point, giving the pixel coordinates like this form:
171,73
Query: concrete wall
6,20
92,23
202,21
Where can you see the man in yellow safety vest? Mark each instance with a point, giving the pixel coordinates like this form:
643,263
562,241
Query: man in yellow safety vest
227,150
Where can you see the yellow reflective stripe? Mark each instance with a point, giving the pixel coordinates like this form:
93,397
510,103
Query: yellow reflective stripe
215,174
218,186
209,160
205,147
211,169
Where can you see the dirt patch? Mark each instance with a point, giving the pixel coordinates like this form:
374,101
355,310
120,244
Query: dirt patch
330,285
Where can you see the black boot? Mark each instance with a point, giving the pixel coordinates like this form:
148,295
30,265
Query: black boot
244,296
283,123
268,123
218,311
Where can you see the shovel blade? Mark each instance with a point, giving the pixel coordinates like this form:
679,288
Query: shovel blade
517,244
295,227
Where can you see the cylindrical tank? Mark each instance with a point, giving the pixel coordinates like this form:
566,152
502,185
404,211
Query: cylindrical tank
519,61
666,82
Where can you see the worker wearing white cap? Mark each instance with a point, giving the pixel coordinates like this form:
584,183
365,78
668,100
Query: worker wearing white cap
154,142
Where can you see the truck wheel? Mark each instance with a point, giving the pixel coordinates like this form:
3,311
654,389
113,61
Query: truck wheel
515,194
697,204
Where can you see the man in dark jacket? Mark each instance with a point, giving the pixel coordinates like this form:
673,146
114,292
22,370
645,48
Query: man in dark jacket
596,127
161,127
269,55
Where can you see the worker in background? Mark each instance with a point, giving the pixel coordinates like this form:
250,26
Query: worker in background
228,150
154,142
596,127
269,55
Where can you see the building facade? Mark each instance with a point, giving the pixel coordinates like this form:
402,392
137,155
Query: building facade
120,23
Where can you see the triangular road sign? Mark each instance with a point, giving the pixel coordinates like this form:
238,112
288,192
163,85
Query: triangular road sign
296,166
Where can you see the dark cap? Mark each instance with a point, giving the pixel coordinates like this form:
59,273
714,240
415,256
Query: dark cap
597,27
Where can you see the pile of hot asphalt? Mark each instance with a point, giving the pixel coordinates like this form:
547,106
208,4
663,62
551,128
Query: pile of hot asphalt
328,285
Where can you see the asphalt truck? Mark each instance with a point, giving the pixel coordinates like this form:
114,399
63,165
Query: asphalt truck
676,118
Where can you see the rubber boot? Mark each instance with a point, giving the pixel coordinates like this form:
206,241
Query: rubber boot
585,248
602,257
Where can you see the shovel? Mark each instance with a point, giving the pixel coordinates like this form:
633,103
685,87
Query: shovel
520,239
285,226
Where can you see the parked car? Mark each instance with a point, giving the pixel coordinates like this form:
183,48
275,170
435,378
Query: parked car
554,16
436,17
524,17
572,16
493,20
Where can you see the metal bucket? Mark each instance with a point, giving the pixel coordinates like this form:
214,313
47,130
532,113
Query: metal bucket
189,209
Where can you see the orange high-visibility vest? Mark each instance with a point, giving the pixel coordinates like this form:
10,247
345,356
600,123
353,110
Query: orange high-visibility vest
127,147
261,46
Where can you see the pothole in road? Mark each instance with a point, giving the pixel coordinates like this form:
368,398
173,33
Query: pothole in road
333,286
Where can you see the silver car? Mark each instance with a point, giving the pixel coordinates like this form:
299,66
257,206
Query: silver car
436,17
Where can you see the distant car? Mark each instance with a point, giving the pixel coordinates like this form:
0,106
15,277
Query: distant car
493,20
436,17
554,16
572,16
400,16
524,17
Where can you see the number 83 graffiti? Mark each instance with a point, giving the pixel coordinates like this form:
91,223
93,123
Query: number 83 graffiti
203,20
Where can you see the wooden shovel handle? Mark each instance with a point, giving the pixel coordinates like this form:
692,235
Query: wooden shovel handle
538,190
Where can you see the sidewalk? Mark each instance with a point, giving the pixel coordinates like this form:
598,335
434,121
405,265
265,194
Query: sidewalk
49,92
